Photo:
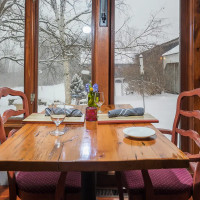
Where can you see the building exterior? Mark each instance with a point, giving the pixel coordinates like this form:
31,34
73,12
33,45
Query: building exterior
171,69
158,65
158,70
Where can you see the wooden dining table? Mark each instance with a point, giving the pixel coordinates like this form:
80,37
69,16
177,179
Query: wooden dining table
88,147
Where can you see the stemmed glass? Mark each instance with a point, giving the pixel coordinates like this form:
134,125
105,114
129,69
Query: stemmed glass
57,115
99,100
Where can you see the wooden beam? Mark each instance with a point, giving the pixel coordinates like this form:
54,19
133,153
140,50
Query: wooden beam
101,52
31,49
112,54
196,67
185,63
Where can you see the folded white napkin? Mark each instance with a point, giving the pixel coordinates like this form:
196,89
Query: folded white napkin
126,112
69,112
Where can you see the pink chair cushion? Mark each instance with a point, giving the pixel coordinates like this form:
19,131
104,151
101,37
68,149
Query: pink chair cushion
45,182
165,181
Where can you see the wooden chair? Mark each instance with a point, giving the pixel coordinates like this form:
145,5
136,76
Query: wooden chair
37,185
10,113
167,184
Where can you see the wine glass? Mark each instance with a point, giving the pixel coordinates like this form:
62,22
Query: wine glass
57,115
99,100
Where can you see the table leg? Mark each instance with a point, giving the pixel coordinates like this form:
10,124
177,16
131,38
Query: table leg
88,186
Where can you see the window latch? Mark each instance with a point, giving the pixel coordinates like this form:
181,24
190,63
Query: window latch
32,98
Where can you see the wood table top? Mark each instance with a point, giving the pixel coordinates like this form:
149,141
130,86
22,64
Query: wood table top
88,147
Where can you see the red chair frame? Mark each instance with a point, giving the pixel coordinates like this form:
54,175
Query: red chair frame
60,188
194,159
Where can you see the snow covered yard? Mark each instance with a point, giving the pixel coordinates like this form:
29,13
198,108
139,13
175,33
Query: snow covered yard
162,106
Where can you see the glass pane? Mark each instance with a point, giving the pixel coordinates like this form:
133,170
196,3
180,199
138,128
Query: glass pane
147,56
64,51
12,23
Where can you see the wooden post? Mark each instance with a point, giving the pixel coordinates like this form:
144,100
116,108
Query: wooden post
31,53
101,51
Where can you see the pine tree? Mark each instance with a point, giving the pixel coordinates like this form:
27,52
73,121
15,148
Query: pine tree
77,87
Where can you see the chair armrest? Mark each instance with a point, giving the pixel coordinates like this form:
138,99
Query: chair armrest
193,157
165,131
12,132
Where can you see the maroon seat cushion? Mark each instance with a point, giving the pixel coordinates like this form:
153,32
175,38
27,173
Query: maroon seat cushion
45,182
165,181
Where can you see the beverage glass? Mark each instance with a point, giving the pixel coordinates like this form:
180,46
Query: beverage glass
57,116
99,100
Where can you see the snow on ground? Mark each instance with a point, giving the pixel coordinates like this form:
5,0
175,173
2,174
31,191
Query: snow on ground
161,106
52,92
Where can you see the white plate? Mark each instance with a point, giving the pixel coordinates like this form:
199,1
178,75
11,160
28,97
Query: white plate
139,132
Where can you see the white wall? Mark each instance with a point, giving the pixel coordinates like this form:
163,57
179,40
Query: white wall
172,58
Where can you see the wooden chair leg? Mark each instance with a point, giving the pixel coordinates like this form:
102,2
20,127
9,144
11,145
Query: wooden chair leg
119,184
196,184
149,193
60,189
12,185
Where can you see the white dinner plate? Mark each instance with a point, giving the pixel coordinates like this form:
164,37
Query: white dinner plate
139,132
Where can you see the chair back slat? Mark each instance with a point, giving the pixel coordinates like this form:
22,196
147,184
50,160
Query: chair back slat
195,92
195,113
191,134
10,113
5,91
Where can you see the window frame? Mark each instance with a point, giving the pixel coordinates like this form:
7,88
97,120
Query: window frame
103,47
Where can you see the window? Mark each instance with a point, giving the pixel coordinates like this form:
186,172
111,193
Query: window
64,50
147,56
12,21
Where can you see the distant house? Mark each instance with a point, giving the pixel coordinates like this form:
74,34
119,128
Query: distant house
125,70
124,64
172,70
158,71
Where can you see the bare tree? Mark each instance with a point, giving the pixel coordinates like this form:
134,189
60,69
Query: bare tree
12,31
61,39
131,42
128,38
61,35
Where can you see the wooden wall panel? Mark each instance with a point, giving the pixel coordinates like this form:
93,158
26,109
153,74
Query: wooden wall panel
196,60
190,63
185,60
